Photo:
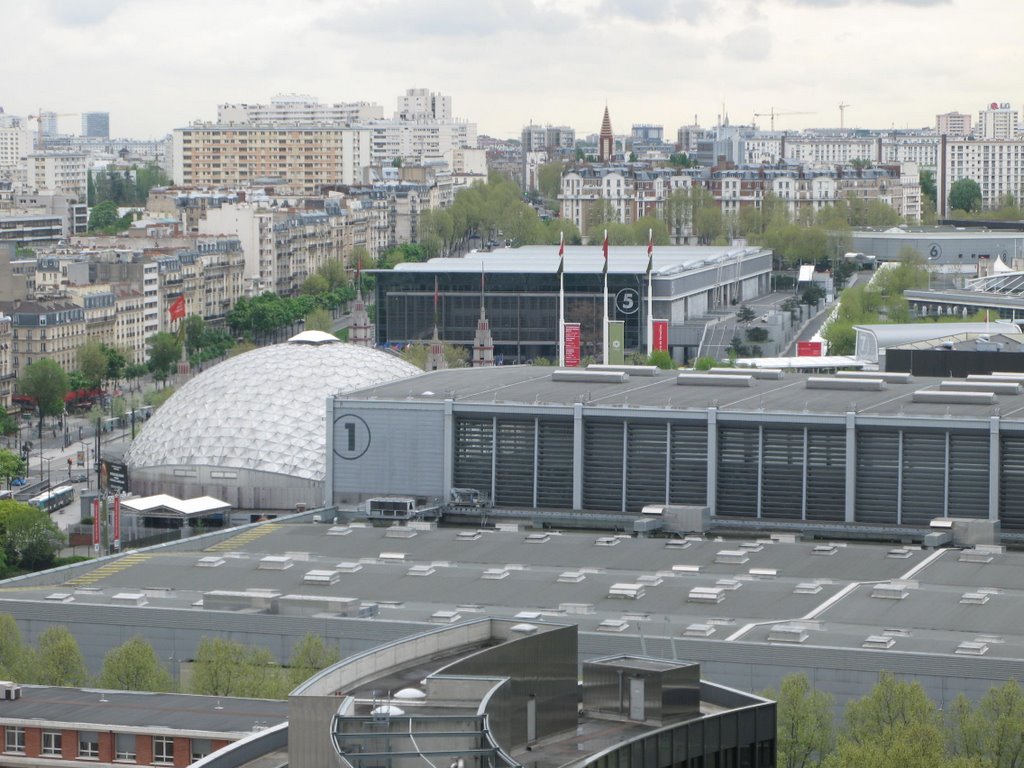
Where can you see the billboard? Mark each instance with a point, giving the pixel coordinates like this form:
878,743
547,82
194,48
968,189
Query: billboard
660,335
572,345
616,342
808,349
113,476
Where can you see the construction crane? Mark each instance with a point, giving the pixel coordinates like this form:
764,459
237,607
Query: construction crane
842,114
773,114
40,139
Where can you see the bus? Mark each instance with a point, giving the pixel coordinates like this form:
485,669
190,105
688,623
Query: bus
53,500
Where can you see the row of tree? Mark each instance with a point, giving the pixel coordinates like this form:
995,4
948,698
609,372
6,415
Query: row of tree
897,726
220,668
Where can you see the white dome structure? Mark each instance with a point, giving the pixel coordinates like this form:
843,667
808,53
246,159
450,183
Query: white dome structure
251,430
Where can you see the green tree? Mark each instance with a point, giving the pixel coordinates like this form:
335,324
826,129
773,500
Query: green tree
92,363
455,356
745,314
103,216
12,648
806,732
549,181
164,353
311,654
47,384
134,666
31,540
11,466
226,668
319,320
315,284
965,195
757,334
8,424
117,361
58,659
708,225
993,733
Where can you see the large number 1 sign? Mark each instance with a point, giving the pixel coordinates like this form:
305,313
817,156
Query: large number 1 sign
351,436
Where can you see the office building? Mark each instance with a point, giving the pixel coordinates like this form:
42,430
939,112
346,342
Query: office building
96,125
999,121
956,124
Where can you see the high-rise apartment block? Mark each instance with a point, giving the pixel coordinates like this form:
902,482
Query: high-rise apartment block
299,109
997,165
66,172
953,124
420,104
96,125
997,121
303,158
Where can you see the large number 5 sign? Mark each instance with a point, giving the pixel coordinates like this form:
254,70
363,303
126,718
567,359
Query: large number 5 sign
351,436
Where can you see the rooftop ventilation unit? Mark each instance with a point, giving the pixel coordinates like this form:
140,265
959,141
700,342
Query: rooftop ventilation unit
751,546
274,563
677,544
807,588
445,617
787,633
607,541
400,532
896,632
11,690
627,591
974,598
714,380
825,549
649,580
60,597
632,370
873,384
420,570
210,561
940,522
999,388
494,574
878,642
576,609
731,556
321,577
129,598
413,694
685,570
339,530
538,538
589,377
757,373
523,629
899,553
975,556
891,591
571,577
972,648
391,557
997,378
954,398
730,584
613,625
889,378
348,567
706,595
699,630
468,535
763,573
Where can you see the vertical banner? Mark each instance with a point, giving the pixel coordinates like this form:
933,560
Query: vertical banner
572,345
661,335
117,522
616,342
96,524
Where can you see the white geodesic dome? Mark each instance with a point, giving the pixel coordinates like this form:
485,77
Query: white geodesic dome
264,410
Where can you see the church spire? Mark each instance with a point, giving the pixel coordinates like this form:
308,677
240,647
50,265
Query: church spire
606,144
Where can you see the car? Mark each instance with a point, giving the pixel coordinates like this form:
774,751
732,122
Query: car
79,477
19,481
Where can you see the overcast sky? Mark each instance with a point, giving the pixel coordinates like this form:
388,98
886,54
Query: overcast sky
156,65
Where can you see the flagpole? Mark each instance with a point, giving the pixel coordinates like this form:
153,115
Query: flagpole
561,301
650,293
604,340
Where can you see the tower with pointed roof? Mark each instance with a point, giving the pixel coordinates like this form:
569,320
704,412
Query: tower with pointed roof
606,144
483,342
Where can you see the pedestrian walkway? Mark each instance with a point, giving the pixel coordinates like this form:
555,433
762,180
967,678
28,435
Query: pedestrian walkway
109,569
243,538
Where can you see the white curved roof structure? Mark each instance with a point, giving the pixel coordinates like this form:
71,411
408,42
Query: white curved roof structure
263,410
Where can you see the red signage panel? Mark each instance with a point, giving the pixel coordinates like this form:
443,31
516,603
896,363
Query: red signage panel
572,345
660,335
117,522
808,349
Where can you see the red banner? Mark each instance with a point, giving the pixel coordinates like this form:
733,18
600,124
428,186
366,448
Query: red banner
96,523
177,309
808,349
660,335
117,522
572,345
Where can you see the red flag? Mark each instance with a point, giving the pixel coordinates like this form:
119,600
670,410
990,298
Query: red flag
650,250
561,244
177,308
604,248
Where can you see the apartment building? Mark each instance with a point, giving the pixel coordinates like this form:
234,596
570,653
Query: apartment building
65,172
998,121
919,147
7,374
302,158
299,109
53,329
996,164
632,191
956,124
15,143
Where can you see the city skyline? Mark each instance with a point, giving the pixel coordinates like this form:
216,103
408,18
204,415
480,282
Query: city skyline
156,67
